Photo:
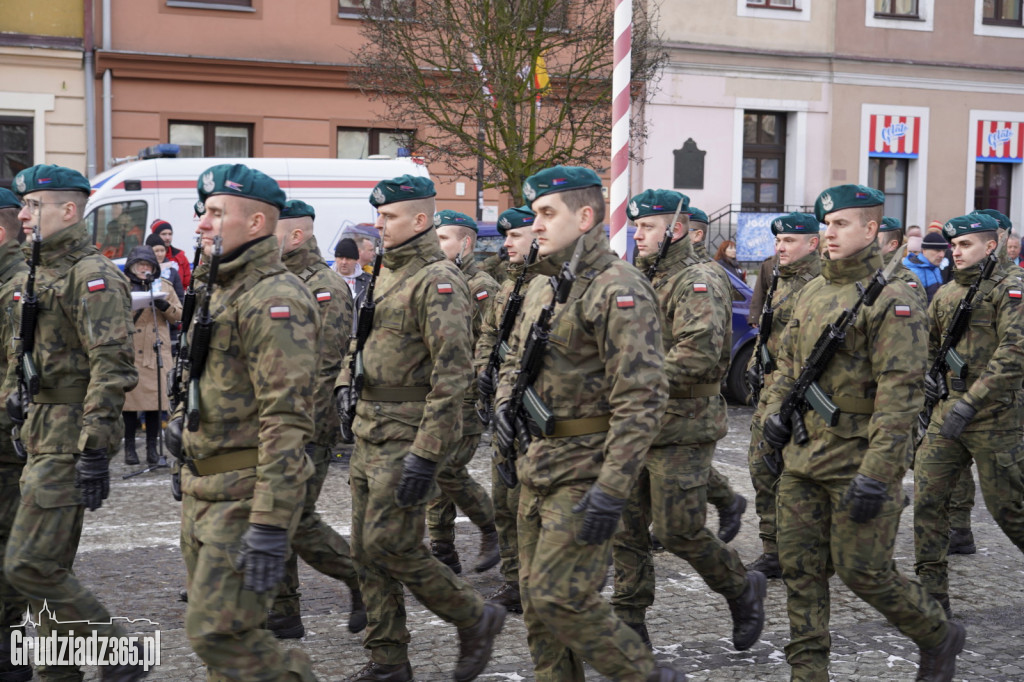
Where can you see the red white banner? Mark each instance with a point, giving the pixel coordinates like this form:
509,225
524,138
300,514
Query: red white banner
1000,141
895,136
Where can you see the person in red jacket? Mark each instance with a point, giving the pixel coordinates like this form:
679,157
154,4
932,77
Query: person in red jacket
164,229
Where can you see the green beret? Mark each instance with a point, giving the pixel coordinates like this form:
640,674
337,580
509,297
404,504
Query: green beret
240,181
1004,222
846,196
558,179
402,188
655,202
449,217
796,223
890,224
972,223
8,199
697,215
297,209
515,218
45,177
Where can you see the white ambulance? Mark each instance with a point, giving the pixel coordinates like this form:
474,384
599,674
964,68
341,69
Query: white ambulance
127,199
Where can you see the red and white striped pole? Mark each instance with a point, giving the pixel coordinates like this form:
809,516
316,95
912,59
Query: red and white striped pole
620,123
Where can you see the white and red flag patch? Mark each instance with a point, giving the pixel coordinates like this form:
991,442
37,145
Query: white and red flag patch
323,296
913,285
17,296
444,288
96,285
1013,293
625,301
280,312
901,310
700,286
482,295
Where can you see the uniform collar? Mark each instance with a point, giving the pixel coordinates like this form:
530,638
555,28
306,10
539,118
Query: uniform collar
967,276
60,244
857,267
469,267
678,251
809,264
262,250
595,244
10,258
306,254
424,246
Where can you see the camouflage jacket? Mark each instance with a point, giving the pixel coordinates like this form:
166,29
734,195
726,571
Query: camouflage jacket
604,358
490,329
696,330
83,348
904,274
256,389
992,346
420,340
334,300
12,280
482,288
877,371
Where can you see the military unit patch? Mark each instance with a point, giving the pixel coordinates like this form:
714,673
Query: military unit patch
96,285
280,312
901,310
323,296
444,288
700,286
624,301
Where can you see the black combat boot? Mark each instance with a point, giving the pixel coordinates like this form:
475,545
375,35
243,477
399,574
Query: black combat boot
130,455
381,672
939,664
665,675
357,616
508,596
477,641
767,563
127,672
489,555
152,454
8,671
961,541
730,518
286,627
645,637
943,600
446,554
748,611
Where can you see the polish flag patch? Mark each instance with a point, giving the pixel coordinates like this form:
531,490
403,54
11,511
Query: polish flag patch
482,295
96,285
17,296
624,301
1014,293
323,296
700,286
913,285
444,288
280,312
901,310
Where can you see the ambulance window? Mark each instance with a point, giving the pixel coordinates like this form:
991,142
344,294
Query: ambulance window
119,227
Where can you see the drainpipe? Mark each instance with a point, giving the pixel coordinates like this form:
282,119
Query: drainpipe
108,135
90,94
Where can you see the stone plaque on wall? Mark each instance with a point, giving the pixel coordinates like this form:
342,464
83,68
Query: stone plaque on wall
689,166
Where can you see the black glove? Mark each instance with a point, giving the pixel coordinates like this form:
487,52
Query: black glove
176,485
865,497
958,418
161,304
485,383
753,379
172,438
776,432
417,476
15,408
343,397
264,549
509,430
602,516
92,476
934,391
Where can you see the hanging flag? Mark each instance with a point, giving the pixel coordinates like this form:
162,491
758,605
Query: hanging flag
478,66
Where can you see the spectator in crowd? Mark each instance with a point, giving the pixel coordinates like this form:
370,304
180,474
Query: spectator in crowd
726,257
1013,249
168,268
929,264
166,232
347,264
366,246
914,244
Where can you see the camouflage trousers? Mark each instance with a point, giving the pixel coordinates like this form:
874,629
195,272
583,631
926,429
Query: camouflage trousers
961,502
41,550
764,487
671,492
223,621
387,546
318,544
560,579
816,540
459,489
940,463
720,494
506,507
12,604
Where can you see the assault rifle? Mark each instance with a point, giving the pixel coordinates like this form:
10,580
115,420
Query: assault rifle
541,421
763,362
806,393
947,359
28,376
508,320
200,346
188,309
363,327
666,242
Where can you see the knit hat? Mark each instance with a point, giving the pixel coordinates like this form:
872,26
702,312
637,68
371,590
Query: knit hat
155,240
934,240
159,226
347,248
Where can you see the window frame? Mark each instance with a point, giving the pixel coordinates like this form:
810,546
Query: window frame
882,160
991,28
760,151
356,12
984,168
897,15
210,135
1010,23
924,21
373,143
801,11
769,4
30,122
222,5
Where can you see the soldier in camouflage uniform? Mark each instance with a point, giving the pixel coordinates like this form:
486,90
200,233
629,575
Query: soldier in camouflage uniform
244,479
696,318
417,365
796,248
602,378
514,224
982,416
729,503
457,234
840,493
318,544
12,280
83,355
891,238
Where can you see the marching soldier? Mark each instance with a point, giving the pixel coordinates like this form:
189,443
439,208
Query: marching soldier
981,417
416,365
840,494
457,234
317,543
796,249
696,317
891,237
82,355
245,466
602,378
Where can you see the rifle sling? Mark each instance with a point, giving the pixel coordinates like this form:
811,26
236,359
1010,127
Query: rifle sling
221,464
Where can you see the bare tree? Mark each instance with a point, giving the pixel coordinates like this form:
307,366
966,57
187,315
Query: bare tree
464,73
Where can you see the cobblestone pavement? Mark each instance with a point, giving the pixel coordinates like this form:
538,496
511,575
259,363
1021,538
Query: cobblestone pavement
129,556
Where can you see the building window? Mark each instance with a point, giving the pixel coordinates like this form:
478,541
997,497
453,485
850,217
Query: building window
764,160
212,3
896,9
16,152
992,186
772,4
1002,12
226,140
890,176
351,7
360,143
